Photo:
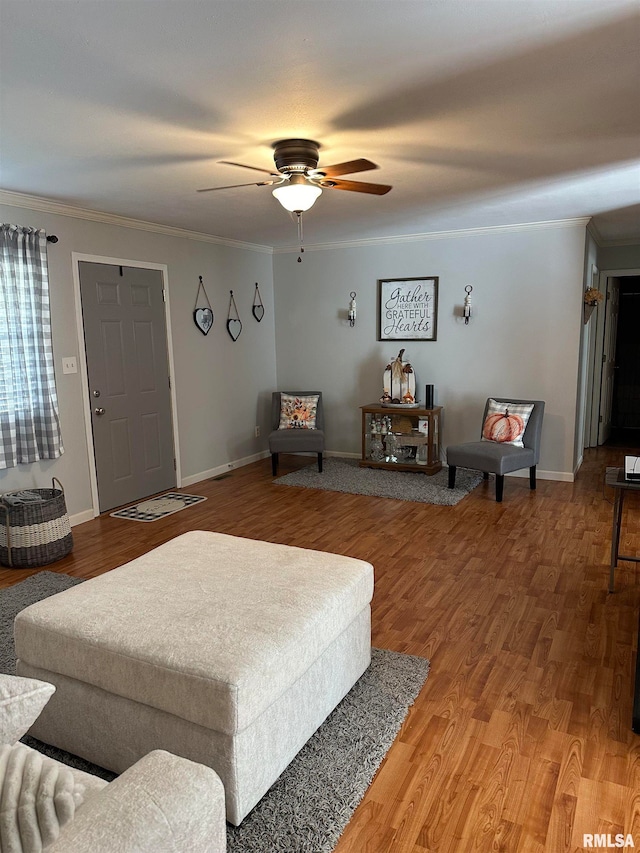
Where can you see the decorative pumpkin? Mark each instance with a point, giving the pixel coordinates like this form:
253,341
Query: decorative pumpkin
399,383
503,427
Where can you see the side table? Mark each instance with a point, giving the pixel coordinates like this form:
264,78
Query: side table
614,477
407,438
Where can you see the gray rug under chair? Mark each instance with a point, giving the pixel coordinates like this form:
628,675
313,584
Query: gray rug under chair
345,475
309,806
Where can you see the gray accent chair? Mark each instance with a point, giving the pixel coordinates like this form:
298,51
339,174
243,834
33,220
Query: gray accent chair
491,457
295,440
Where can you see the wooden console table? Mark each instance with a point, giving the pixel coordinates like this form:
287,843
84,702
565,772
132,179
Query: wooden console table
401,438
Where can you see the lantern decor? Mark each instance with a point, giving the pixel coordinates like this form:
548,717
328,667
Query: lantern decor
399,384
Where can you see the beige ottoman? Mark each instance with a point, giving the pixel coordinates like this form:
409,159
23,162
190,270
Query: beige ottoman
227,651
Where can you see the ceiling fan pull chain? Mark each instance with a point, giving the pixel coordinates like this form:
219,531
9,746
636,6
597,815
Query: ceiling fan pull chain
300,235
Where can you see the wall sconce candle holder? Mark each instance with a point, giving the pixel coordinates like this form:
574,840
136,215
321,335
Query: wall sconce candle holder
352,309
466,310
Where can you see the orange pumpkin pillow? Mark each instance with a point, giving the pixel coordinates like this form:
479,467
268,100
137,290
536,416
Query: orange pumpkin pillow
506,422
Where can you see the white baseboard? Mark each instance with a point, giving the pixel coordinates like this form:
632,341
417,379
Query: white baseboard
560,476
81,517
222,469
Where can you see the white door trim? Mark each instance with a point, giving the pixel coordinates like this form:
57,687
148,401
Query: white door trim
76,258
594,415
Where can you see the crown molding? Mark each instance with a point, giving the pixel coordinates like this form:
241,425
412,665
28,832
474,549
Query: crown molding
578,222
31,202
592,228
44,205
603,243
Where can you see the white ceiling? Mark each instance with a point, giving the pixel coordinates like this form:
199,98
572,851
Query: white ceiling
478,112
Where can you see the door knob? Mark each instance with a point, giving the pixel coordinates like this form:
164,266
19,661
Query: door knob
99,410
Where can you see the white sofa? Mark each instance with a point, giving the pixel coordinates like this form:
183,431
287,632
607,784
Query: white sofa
162,804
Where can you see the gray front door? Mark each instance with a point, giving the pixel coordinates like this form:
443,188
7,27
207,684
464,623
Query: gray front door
128,369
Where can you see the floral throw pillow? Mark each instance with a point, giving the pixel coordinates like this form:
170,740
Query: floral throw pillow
298,412
506,422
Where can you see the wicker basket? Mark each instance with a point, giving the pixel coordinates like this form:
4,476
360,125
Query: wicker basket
35,533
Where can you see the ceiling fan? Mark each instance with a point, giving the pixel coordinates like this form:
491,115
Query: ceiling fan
297,179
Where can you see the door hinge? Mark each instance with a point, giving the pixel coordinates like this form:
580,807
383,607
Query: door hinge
604,357
164,295
600,419
174,464
169,379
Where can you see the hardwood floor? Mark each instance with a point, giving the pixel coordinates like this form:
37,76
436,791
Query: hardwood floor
520,739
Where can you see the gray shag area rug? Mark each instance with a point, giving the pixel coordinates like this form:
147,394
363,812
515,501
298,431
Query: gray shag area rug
345,475
309,806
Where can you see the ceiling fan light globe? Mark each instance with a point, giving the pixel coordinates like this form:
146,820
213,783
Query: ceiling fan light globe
297,197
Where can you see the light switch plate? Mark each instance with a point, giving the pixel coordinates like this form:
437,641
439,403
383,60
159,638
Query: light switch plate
69,364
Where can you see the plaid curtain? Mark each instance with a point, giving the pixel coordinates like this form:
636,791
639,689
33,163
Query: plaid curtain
29,421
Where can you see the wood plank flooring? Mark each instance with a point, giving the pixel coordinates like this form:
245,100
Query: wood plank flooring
520,739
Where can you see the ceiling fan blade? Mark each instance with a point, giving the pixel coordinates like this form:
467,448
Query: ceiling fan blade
356,186
349,168
243,166
233,186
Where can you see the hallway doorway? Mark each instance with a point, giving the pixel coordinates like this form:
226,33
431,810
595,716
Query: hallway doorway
625,409
610,400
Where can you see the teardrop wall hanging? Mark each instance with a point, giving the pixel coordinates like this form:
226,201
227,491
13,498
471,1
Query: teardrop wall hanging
258,308
234,326
203,317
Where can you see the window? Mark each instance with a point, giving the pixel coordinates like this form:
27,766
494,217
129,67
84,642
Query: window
29,421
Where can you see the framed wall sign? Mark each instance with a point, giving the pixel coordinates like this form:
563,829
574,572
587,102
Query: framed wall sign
408,309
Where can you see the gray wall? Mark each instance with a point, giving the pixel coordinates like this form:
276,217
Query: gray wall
223,388
523,341
619,257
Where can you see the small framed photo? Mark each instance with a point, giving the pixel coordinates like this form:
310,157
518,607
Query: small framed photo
408,309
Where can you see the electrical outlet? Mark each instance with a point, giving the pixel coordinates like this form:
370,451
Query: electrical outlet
257,432
69,364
